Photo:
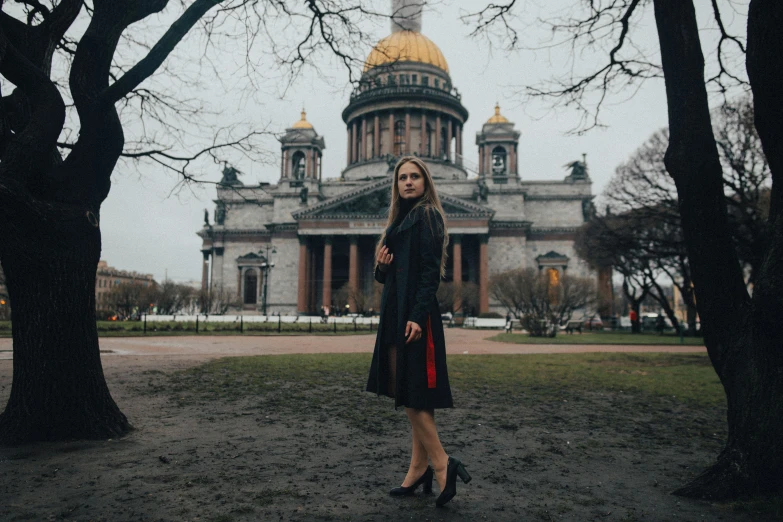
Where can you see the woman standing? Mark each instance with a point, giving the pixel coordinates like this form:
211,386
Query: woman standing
409,362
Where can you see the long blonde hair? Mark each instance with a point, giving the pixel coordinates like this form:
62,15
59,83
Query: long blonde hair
429,200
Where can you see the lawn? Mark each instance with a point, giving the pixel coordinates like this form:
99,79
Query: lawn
599,338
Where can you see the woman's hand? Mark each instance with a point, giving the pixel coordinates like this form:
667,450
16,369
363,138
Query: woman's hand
412,332
384,258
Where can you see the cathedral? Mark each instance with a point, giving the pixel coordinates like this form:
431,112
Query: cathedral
297,245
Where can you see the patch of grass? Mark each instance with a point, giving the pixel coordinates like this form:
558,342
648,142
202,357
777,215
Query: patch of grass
599,338
688,377
312,381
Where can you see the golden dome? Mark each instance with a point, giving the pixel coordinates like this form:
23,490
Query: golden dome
303,123
497,118
406,46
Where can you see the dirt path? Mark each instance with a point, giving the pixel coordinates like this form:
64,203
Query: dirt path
457,341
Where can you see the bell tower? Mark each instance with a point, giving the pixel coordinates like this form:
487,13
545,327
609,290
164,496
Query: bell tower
497,143
302,151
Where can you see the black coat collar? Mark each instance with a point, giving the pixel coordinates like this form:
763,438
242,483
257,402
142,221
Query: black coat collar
413,217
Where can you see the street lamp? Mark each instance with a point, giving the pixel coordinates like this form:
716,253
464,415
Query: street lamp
266,266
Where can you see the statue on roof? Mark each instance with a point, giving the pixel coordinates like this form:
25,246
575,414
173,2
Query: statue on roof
220,213
578,169
483,191
230,175
391,161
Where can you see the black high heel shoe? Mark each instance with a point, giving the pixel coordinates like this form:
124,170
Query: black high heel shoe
454,468
425,479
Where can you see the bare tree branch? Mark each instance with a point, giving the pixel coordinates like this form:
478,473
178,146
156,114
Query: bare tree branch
150,63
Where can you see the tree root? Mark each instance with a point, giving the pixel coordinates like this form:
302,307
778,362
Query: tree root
730,479
16,430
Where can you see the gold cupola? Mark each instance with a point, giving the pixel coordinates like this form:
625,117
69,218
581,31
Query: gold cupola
303,123
406,46
497,117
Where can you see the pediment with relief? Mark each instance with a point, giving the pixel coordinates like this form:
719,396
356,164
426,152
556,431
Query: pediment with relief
372,201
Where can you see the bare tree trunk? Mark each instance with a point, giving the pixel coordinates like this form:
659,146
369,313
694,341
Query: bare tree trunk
660,297
746,355
692,315
58,390
636,304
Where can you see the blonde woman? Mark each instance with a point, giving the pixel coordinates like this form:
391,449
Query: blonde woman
409,362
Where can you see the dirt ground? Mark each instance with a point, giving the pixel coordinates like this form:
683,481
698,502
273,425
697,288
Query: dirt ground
333,453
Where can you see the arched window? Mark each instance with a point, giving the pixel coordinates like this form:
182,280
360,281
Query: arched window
499,161
298,163
251,287
400,147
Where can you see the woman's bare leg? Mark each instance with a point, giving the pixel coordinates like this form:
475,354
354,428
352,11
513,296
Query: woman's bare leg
418,461
424,429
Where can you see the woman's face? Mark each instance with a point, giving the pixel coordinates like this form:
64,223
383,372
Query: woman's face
410,181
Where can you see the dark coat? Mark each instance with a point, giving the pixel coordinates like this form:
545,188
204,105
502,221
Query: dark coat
422,380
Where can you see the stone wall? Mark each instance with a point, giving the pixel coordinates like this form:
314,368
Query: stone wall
284,277
554,213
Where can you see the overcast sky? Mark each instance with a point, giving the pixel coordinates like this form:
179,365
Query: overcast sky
147,229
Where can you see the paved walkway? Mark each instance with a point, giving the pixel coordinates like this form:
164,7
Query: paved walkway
457,341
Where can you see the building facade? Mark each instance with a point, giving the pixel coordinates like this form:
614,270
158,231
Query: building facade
320,234
108,277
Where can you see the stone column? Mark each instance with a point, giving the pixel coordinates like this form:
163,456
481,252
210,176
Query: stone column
458,146
481,160
311,278
376,137
363,148
353,271
423,141
327,289
483,275
408,148
286,163
205,271
456,260
449,136
353,142
391,132
348,152
437,136
301,304
282,163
